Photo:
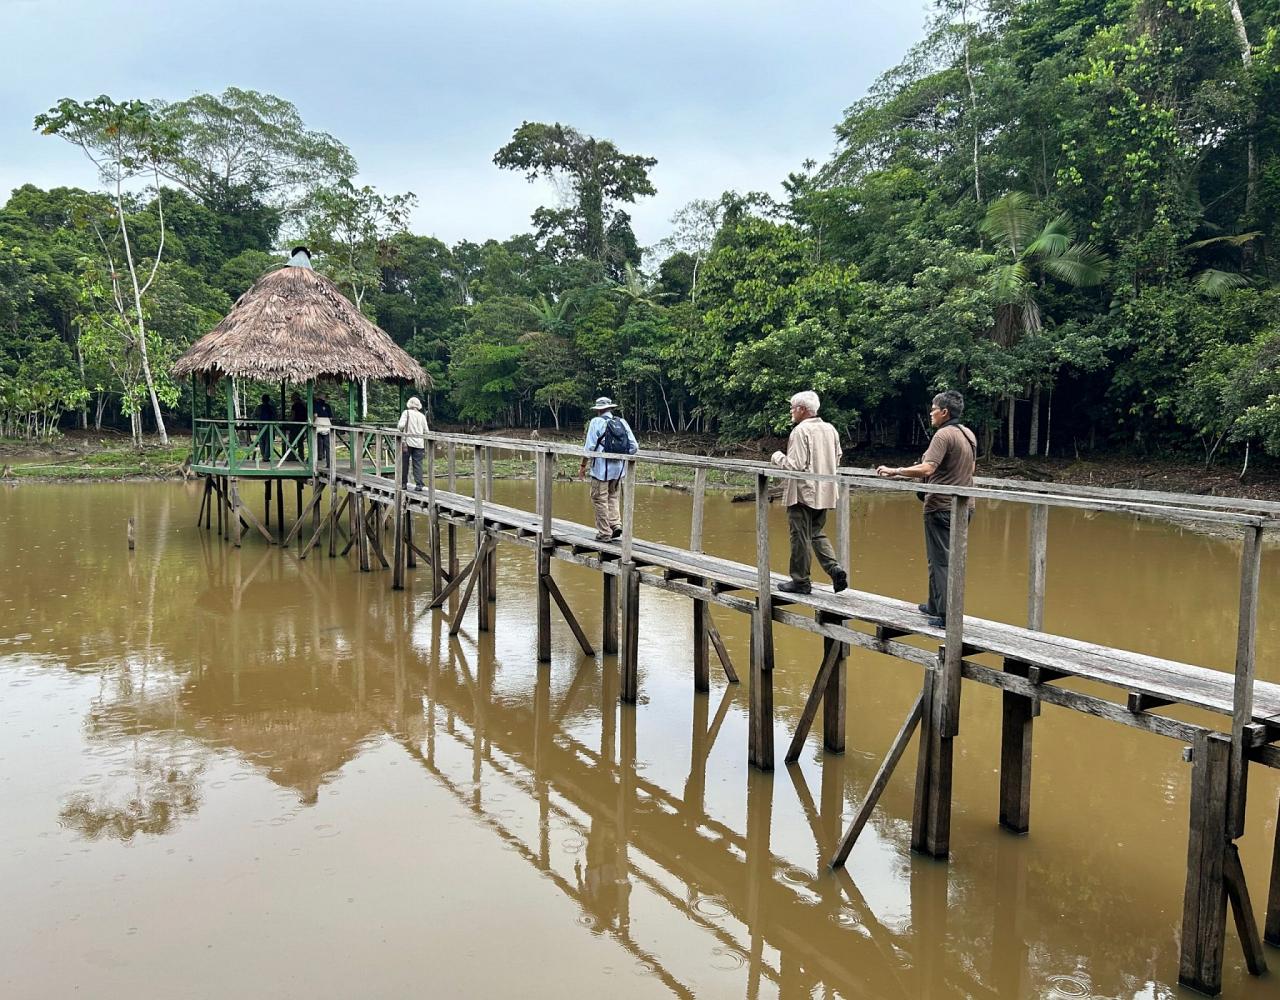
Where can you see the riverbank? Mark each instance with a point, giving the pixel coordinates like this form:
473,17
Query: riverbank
109,456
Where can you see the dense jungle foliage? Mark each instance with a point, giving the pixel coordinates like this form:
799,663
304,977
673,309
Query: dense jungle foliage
1068,209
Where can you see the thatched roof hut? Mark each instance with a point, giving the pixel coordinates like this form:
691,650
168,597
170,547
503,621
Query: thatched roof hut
294,325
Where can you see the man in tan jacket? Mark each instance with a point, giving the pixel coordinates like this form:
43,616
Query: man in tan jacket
814,446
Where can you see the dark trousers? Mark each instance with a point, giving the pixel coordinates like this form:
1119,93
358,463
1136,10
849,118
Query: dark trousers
937,550
806,526
322,450
414,456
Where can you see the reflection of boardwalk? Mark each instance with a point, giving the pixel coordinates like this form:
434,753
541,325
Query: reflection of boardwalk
726,884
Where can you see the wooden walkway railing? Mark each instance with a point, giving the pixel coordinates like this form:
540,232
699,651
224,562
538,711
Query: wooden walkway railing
1031,660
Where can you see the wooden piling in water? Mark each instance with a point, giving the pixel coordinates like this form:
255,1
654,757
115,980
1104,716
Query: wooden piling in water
629,655
760,710
1204,912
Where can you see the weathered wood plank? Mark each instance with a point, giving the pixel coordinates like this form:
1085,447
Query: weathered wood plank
1242,714
699,511
1242,907
1015,755
760,707
701,642
609,611
954,648
831,653
1272,930
835,699
1204,912
1037,550
722,654
567,612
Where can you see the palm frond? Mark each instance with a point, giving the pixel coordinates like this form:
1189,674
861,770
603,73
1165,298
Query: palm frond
1054,239
1080,265
1231,241
1010,221
1010,283
1215,283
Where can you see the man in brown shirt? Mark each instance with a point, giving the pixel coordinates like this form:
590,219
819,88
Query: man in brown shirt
814,446
949,460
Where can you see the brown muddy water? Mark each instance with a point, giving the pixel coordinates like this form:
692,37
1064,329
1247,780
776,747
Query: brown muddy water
229,773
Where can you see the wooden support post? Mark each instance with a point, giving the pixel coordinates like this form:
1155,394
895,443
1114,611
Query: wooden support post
1242,710
568,614
760,738
629,660
954,649
609,630
204,502
701,642
835,697
477,569
722,653
816,693
333,496
490,571
237,526
221,504
1037,548
360,527
1246,923
543,557
1015,755
129,534
280,507
545,472
1204,903
410,550
433,519
266,504
931,817
484,614
844,530
452,455
398,554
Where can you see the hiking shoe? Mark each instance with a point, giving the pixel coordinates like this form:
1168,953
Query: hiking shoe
924,609
604,538
937,622
417,488
791,587
839,580
617,532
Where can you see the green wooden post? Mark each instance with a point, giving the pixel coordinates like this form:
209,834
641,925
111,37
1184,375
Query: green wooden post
351,403
194,460
232,442
311,424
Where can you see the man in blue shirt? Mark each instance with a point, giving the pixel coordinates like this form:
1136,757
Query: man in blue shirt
606,474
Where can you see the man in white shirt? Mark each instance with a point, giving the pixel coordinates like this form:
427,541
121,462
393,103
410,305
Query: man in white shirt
607,432
414,425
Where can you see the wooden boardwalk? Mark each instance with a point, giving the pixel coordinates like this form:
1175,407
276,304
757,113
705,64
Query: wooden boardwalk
362,508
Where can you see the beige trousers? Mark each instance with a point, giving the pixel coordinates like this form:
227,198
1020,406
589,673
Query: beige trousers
604,497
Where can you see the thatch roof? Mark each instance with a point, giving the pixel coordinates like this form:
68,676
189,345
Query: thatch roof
294,325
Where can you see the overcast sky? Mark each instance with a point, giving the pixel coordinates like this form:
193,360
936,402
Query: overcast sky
725,93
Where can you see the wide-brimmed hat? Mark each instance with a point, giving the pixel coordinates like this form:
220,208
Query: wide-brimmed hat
604,403
414,403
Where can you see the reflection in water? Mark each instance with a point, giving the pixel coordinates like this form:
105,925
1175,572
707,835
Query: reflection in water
170,690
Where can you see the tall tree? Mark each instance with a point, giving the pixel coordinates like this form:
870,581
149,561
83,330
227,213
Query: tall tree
599,178
124,141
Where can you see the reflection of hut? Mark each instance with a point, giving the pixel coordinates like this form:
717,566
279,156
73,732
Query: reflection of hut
293,327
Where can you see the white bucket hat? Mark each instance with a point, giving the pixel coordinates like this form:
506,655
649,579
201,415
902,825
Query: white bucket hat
604,403
414,403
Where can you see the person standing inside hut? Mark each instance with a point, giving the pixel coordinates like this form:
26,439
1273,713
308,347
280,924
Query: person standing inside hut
298,414
324,422
609,433
265,414
814,446
414,425
950,460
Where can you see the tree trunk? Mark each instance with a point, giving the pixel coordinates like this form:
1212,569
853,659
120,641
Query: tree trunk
973,103
1246,57
1033,448
1012,413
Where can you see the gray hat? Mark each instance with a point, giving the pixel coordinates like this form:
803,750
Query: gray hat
414,403
604,403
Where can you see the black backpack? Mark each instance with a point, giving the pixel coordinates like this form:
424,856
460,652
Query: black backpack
614,439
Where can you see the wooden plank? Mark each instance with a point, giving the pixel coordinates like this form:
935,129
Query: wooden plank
1139,702
457,581
1037,548
1241,906
477,564
563,605
1246,652
831,655
761,694
1204,912
701,643
433,520
546,480
722,653
878,783
484,621
1015,755
629,665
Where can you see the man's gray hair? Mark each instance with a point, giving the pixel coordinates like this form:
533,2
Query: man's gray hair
951,401
808,399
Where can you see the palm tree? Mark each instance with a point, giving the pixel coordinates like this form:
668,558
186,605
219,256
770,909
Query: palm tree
1053,251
